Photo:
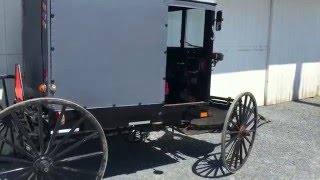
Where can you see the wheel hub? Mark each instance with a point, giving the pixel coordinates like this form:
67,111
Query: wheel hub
243,132
43,164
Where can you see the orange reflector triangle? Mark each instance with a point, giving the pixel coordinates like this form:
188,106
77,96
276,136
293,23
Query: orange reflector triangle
18,87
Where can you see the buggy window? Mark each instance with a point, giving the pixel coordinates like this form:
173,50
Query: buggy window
195,27
190,25
174,28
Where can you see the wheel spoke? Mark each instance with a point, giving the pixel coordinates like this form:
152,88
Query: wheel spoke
240,112
77,144
13,171
31,176
249,114
240,147
250,122
233,154
251,131
246,138
56,128
65,138
245,148
245,106
17,148
248,110
2,128
80,157
233,123
13,140
237,154
232,132
230,141
231,149
5,136
23,131
76,170
40,122
24,175
236,115
11,159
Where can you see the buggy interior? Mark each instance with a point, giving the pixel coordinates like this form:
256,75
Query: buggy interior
189,48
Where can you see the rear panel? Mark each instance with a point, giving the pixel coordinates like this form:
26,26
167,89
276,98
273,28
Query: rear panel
34,39
109,52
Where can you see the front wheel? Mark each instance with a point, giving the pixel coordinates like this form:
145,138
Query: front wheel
239,132
51,148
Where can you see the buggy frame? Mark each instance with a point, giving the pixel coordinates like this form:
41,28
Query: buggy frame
38,125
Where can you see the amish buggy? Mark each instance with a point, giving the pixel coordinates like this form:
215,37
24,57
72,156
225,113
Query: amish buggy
97,68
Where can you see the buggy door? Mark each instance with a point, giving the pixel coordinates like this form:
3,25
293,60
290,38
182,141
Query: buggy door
190,42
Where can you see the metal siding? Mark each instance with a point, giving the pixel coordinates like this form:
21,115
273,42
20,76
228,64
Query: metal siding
244,42
10,40
294,67
13,19
107,53
2,30
3,57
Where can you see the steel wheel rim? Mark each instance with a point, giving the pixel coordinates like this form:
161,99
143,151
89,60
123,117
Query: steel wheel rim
235,135
53,151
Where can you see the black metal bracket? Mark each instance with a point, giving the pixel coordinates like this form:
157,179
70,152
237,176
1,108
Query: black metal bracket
4,85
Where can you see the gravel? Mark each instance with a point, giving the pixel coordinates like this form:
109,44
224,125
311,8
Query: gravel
286,148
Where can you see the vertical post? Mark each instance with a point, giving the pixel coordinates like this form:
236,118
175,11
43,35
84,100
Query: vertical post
5,92
208,48
183,28
268,53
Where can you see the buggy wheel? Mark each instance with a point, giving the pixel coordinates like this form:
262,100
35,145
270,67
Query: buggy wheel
51,147
239,132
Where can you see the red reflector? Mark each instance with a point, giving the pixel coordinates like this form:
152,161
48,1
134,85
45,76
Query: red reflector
167,88
18,87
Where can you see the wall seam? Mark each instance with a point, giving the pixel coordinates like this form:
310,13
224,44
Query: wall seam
5,35
268,52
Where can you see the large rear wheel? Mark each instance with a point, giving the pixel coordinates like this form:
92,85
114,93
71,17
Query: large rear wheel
239,132
51,147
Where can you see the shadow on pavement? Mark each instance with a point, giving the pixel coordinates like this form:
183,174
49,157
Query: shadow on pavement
308,103
128,158
210,167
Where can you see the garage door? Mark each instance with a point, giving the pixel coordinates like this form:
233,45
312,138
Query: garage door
244,41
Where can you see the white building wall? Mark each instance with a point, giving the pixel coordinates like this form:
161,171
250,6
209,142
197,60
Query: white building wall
294,63
244,42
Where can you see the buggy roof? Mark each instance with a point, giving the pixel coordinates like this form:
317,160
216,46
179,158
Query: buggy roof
203,4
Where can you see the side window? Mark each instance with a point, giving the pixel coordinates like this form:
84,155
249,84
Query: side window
174,28
195,27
